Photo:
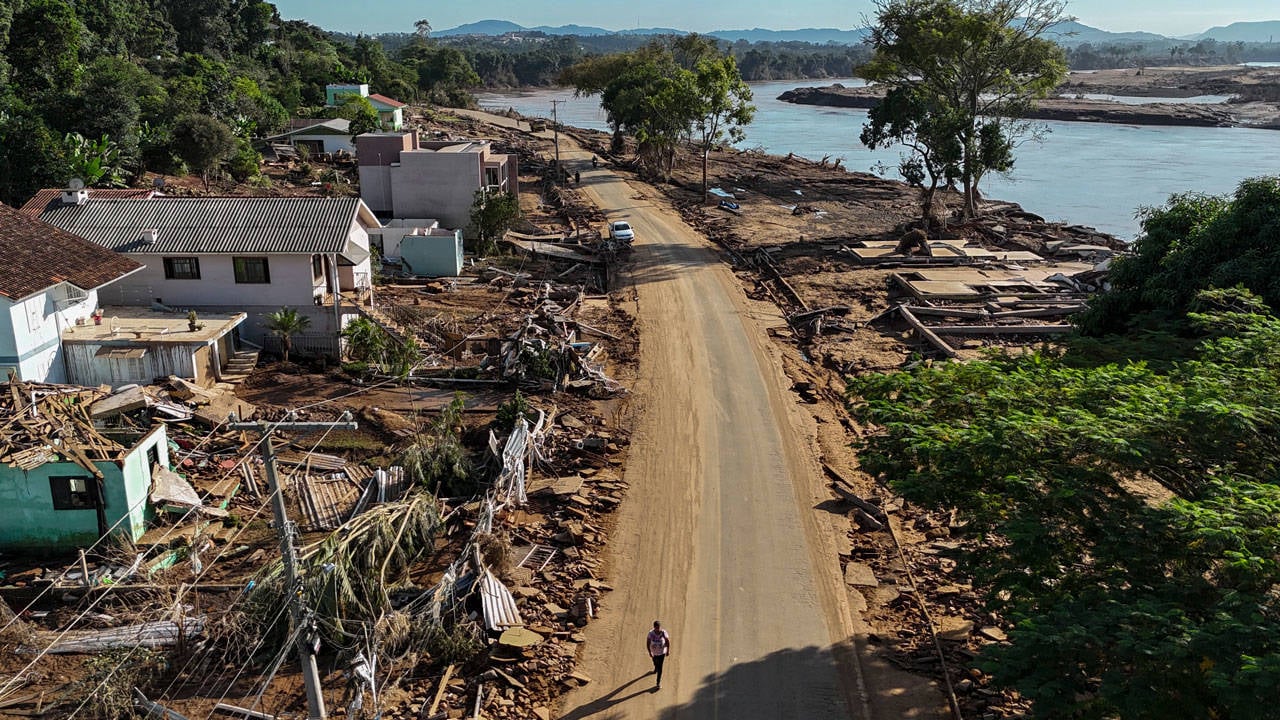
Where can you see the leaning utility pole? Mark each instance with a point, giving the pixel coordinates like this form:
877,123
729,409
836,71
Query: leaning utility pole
288,553
555,127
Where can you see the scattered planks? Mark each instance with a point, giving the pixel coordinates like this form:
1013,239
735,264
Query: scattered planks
1001,329
927,333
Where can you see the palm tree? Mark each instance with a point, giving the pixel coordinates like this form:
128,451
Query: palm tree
366,342
285,323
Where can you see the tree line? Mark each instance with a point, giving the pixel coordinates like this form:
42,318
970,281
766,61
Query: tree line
533,58
109,89
670,92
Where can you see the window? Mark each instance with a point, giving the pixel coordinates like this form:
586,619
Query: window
251,270
181,268
73,493
317,267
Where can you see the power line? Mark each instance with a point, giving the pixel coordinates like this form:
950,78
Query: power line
286,531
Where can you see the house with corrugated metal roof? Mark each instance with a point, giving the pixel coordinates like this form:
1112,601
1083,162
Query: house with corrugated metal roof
50,280
238,254
317,136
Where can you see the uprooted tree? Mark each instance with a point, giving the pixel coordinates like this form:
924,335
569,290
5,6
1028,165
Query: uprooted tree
980,64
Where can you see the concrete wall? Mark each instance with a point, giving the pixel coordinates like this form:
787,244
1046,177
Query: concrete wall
440,185
335,93
31,331
292,284
375,187
392,119
387,238
330,143
30,521
323,321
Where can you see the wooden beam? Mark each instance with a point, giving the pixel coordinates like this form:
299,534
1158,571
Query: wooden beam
1001,329
444,683
1040,312
242,712
928,334
947,312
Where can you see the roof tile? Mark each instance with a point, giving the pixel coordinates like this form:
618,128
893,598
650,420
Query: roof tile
38,256
44,198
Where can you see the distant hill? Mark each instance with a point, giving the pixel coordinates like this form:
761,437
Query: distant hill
579,30
811,35
819,36
1069,33
483,27
1266,31
1075,33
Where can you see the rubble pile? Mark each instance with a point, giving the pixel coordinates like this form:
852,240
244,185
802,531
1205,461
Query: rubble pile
908,586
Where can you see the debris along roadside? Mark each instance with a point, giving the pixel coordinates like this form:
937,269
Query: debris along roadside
860,292
414,572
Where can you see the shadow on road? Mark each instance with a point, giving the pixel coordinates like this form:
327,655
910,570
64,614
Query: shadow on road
600,705
792,683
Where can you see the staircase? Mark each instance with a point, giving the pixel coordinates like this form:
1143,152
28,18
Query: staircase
240,366
397,331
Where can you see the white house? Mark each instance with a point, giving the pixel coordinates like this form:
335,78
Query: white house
317,136
238,254
49,281
407,178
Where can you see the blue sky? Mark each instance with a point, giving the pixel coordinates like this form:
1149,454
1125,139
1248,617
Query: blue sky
1168,17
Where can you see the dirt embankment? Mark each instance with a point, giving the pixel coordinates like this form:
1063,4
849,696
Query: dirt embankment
1254,93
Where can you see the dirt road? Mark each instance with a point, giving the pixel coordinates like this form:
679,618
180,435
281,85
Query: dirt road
719,537
713,538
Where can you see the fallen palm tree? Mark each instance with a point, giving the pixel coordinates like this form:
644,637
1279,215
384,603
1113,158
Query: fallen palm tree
347,577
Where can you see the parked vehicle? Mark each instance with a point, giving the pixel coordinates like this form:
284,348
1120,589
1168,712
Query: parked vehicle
621,230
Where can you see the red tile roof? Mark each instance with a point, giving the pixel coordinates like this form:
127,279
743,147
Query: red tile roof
38,256
386,100
48,196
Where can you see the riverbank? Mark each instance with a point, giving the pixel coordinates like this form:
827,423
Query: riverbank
1261,115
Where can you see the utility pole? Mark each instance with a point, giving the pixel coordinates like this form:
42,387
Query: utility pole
555,127
286,531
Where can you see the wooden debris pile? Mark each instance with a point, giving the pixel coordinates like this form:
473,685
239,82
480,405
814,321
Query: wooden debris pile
546,352
552,573
52,423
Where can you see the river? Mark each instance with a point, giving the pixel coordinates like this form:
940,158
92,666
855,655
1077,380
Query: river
1087,173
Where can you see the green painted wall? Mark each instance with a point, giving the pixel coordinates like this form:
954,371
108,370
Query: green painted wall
29,521
432,255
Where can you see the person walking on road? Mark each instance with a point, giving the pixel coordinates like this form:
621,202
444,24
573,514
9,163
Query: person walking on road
658,643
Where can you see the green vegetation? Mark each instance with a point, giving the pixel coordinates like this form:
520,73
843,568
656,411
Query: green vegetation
128,70
284,324
492,214
365,341
666,94
1122,495
1193,243
511,411
202,142
1128,521
972,66
348,576
438,460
